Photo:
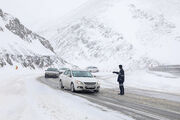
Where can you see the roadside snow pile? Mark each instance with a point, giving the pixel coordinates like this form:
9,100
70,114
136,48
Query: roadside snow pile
145,80
23,97
18,44
159,82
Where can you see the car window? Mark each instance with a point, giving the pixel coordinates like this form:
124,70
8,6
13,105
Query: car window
52,69
81,74
63,68
66,72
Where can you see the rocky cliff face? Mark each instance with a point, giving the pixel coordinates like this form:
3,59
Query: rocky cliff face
30,61
14,25
19,45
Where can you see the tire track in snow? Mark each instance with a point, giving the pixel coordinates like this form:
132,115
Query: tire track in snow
136,105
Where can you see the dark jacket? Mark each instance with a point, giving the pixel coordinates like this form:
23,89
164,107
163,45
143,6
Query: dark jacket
120,76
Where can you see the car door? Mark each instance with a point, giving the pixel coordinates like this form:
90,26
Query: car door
64,78
68,80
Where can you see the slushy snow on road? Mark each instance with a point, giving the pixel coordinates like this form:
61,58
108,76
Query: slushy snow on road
22,97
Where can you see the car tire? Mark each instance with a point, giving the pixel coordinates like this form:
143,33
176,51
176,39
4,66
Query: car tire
96,91
61,85
57,76
46,76
72,87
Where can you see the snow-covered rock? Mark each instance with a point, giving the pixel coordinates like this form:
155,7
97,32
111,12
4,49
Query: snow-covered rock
18,44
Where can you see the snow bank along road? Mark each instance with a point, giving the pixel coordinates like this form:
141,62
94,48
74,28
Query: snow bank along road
136,103
173,69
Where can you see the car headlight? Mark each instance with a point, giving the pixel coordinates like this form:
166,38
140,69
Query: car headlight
79,82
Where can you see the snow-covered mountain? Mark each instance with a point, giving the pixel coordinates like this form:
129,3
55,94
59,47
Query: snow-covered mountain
105,33
19,45
89,42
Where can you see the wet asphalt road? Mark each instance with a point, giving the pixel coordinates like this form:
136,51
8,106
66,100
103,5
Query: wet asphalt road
136,103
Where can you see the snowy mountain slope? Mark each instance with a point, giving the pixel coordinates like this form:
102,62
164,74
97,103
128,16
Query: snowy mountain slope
149,30
149,27
90,8
35,14
21,45
86,42
13,25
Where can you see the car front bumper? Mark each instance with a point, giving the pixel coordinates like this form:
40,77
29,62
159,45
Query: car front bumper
87,88
52,75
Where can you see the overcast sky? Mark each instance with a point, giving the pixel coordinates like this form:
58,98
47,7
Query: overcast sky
33,12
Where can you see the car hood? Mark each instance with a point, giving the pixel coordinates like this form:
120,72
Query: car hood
84,79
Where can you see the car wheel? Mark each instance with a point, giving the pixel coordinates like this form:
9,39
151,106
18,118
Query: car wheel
46,76
96,91
72,87
61,85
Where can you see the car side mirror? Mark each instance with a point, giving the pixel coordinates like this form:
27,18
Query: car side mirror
94,75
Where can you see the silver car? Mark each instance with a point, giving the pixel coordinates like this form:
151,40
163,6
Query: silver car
92,69
51,72
79,80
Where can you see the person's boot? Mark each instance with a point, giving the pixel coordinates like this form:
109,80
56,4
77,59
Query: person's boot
121,93
122,90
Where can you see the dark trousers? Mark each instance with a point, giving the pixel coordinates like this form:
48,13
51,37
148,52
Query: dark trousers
121,87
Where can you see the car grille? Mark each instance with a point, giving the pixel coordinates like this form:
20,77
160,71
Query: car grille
90,83
90,88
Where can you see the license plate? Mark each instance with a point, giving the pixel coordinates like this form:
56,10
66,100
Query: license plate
90,86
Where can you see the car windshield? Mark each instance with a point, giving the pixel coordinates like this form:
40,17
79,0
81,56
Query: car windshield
81,74
63,68
52,69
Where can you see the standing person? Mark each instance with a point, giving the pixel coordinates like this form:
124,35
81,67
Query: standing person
121,79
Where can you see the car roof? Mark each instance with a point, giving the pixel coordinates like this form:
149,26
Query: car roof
63,68
92,67
78,70
52,69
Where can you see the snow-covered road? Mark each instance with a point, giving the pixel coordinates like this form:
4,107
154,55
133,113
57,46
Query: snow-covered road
27,95
139,104
22,97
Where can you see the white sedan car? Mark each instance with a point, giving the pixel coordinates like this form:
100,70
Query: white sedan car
79,80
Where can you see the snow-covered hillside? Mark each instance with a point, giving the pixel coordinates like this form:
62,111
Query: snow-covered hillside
149,26
35,14
19,45
88,42
136,33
